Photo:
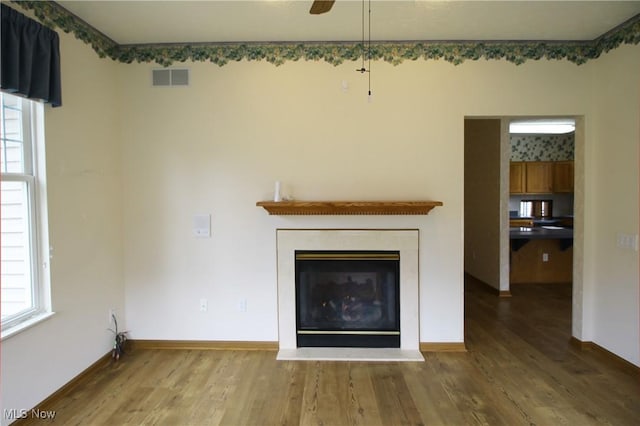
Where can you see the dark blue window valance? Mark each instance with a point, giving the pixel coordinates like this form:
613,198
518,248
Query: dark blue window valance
30,58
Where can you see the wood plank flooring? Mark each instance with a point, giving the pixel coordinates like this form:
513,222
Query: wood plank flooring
519,370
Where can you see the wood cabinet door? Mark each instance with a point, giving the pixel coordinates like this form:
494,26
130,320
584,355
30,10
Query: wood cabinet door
563,176
516,178
539,177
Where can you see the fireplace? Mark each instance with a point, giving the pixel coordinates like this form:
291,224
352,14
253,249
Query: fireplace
401,242
347,298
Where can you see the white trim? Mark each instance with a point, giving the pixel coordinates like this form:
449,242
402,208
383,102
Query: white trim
25,325
43,253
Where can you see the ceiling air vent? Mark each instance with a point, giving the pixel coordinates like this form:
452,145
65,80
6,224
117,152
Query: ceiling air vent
166,77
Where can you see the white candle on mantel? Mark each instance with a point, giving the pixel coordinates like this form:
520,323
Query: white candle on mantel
276,195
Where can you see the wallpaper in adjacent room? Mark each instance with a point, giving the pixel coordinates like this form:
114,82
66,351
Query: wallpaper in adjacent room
542,147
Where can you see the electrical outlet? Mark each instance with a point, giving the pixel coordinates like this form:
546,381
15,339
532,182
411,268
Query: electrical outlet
242,305
627,241
203,305
545,257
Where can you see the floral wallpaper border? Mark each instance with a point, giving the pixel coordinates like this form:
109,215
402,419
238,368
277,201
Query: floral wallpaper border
55,16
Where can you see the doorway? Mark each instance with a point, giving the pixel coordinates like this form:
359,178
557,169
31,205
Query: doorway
487,206
541,200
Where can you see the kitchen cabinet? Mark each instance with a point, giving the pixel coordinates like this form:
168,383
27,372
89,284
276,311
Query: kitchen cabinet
531,177
563,176
528,264
516,177
540,177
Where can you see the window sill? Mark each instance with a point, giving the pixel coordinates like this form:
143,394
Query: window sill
24,325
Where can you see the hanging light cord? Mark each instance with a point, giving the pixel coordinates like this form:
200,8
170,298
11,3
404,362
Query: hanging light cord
363,34
369,48
362,69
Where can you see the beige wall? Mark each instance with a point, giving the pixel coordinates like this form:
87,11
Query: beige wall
482,206
612,203
217,147
85,221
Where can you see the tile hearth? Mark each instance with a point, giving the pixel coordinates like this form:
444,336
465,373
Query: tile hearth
349,354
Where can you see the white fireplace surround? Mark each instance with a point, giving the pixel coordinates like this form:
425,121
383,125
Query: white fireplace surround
406,241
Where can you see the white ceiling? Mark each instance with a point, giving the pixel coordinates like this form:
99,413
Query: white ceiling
137,21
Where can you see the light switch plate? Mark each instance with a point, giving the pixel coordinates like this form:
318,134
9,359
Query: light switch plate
202,225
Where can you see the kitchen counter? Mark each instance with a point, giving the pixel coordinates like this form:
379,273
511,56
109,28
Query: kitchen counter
564,221
519,236
540,232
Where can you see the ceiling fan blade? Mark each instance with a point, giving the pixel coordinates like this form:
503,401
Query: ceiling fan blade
321,6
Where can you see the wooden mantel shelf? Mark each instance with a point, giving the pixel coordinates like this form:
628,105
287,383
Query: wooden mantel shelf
348,207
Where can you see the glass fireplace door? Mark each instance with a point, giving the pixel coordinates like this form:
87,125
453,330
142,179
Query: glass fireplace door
348,298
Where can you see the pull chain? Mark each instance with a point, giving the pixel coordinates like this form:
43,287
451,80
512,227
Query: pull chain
362,69
369,49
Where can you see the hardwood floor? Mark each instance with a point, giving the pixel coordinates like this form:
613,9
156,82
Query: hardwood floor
519,370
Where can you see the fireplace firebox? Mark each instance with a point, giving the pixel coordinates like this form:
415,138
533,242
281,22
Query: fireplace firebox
348,298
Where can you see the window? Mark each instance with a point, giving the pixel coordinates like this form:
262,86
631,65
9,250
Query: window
23,229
